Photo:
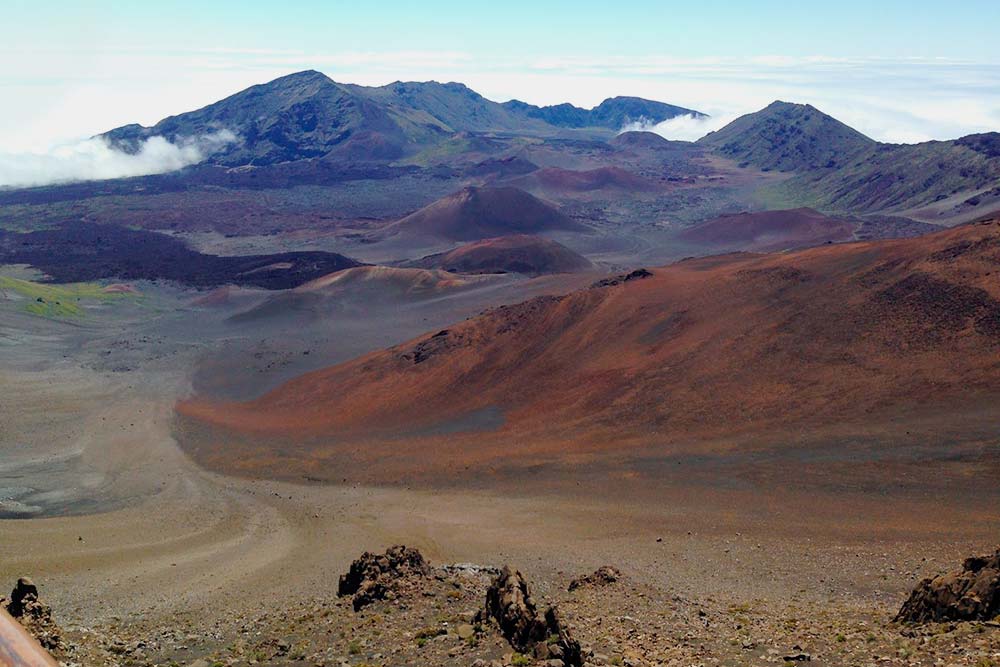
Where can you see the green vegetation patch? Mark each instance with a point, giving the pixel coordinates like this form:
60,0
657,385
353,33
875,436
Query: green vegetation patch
55,301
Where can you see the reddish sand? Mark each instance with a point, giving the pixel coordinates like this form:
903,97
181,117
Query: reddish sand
520,253
386,279
767,231
829,342
477,213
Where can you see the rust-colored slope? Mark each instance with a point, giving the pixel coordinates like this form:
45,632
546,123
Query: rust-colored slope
475,213
704,349
385,280
768,231
519,253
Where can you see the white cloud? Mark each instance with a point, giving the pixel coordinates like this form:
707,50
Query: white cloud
95,159
682,128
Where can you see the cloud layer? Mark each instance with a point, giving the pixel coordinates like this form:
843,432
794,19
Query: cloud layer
682,128
95,159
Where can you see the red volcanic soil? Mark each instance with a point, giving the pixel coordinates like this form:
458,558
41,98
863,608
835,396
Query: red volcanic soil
368,285
838,339
475,213
384,279
768,231
555,180
520,253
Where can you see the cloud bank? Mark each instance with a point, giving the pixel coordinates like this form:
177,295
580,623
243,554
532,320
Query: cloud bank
683,128
95,159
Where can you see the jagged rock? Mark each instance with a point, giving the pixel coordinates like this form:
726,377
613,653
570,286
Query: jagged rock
25,592
798,657
377,576
568,647
509,604
34,615
602,576
638,274
972,594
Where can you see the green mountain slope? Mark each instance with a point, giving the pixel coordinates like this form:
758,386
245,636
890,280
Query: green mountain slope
788,137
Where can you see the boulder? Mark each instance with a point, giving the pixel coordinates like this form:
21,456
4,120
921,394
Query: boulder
970,594
34,615
374,576
21,598
509,604
602,576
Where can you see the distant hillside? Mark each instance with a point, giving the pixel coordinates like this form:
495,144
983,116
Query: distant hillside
839,169
788,137
303,115
839,341
559,181
475,213
308,115
644,140
934,181
454,106
82,251
613,113
519,253
768,231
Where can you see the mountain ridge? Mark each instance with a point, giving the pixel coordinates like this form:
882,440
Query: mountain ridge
788,137
836,168
308,115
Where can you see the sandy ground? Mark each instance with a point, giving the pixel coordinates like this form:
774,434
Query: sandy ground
143,538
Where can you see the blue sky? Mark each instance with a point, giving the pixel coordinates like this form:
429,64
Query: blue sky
884,28
900,71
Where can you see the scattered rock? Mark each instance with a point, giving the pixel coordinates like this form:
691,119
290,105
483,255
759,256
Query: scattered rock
34,615
798,657
378,576
638,274
509,604
971,594
602,576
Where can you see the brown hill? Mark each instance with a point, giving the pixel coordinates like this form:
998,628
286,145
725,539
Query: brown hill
369,286
519,253
385,279
843,342
475,213
557,181
765,231
646,140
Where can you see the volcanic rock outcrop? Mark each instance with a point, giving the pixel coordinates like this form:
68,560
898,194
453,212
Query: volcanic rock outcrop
34,615
510,605
374,577
970,594
602,576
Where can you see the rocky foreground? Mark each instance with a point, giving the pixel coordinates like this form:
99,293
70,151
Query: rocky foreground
397,609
